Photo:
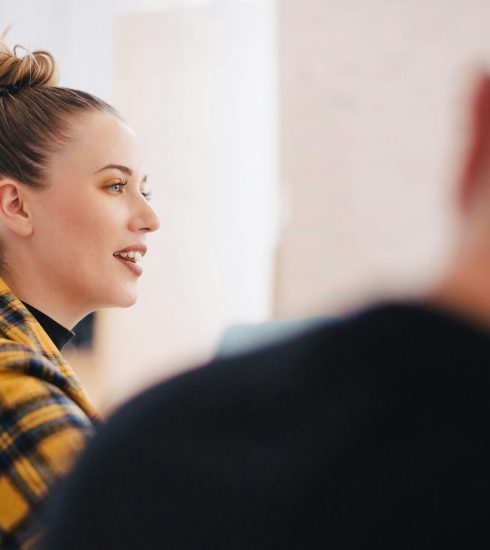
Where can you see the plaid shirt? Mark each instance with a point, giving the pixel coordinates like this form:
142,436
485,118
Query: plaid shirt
45,418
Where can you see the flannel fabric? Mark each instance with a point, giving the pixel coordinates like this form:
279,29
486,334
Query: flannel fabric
45,419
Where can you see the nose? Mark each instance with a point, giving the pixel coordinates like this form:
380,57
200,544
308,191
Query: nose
145,218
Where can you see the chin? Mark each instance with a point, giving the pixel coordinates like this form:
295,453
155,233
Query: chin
128,301
125,298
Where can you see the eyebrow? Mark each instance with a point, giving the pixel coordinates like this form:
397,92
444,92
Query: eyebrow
121,168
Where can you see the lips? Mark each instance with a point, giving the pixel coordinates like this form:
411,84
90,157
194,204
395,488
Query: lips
141,248
131,265
131,257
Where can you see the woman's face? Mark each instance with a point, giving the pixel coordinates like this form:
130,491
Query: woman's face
93,207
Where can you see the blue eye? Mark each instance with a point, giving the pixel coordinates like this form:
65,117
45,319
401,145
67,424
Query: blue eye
117,186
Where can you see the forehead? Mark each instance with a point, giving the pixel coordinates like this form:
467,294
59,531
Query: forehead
97,139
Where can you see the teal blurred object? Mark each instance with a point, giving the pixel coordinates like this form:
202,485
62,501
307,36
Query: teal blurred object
243,338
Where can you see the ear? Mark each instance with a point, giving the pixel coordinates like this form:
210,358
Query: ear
476,163
14,209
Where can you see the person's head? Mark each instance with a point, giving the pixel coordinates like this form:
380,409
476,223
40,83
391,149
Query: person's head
73,192
465,285
474,183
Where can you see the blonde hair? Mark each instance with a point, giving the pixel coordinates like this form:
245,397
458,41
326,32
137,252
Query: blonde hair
36,115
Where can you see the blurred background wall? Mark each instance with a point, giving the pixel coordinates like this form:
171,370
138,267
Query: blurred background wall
301,154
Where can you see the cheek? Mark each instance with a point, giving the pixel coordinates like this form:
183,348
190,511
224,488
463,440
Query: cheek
83,225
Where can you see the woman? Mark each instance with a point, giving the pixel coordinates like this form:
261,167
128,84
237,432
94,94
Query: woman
74,217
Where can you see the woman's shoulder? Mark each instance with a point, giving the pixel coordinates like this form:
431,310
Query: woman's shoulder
18,360
42,431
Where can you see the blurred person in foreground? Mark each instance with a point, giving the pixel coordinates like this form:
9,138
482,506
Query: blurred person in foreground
373,432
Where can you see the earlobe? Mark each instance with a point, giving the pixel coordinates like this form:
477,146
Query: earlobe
477,157
15,214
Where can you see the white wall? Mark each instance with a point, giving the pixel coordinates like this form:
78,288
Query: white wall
78,33
369,111
199,86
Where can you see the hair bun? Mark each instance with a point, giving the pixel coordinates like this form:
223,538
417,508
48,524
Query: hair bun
36,68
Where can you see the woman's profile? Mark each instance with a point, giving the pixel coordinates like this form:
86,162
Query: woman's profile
74,216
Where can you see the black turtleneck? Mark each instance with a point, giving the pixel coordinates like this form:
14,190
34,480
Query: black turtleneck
58,333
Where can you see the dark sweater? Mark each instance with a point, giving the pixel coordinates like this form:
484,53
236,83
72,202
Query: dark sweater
368,433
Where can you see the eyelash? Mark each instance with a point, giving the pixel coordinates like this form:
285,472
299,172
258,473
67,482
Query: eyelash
123,183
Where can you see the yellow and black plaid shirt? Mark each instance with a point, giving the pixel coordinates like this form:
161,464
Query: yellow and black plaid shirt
45,418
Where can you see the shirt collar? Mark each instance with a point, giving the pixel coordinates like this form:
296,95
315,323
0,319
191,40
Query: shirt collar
58,333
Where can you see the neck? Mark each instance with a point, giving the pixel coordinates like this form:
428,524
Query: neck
465,289
49,299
